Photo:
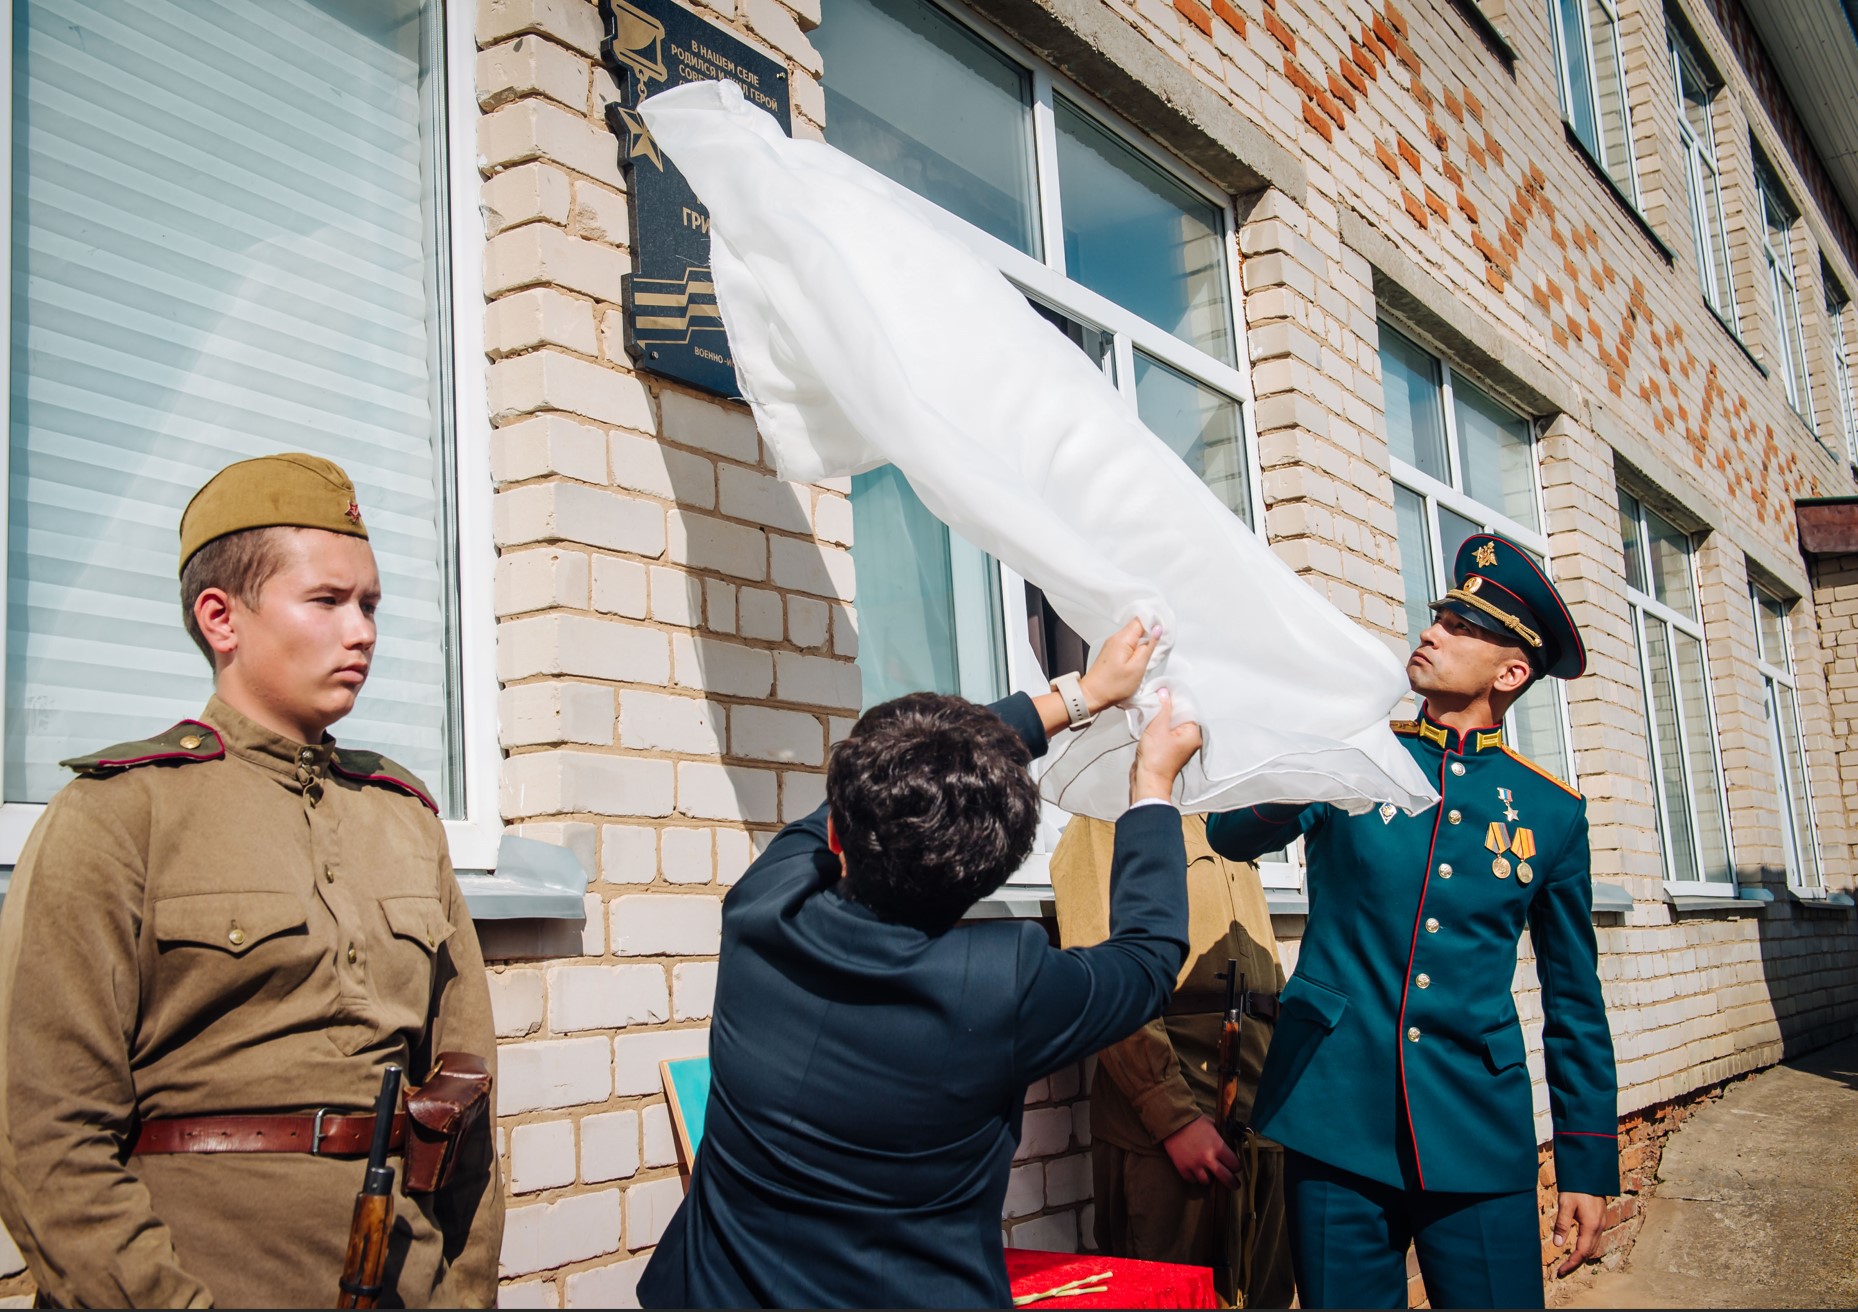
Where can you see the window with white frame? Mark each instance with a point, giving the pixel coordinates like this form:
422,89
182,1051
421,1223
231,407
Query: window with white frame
230,237
1592,69
1463,463
1781,701
1838,356
1118,246
1777,219
1661,590
1121,251
1696,131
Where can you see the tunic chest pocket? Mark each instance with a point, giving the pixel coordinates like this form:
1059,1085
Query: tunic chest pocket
234,923
419,920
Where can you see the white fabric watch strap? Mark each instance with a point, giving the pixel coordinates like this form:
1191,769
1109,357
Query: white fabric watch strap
1071,688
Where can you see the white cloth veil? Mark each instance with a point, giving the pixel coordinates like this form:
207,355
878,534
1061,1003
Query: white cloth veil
866,331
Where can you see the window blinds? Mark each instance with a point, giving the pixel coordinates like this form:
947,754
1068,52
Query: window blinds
223,246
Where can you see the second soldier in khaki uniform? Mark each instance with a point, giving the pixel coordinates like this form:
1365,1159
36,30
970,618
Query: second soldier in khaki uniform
215,935
1155,1091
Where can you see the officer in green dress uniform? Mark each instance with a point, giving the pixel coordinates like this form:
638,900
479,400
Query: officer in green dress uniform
1398,1079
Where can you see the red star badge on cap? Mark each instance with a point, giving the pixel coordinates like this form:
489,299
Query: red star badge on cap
353,512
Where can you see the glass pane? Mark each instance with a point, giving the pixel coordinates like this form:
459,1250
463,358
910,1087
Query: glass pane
1453,530
1610,92
1771,625
1670,553
247,263
1536,730
1410,391
1694,101
1800,808
1495,454
1700,749
1721,288
1576,58
1200,425
1668,752
1415,561
1634,547
905,590
928,104
1135,235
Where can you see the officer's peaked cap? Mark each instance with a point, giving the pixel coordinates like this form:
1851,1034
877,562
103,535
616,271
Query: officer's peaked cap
1501,588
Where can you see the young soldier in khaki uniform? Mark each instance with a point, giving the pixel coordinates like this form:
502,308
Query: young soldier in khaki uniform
1156,1153
216,941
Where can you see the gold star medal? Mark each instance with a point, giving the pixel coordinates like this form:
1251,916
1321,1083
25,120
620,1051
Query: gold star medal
1497,839
1523,844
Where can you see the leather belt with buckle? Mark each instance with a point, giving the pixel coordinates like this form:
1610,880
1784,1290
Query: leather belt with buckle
325,1133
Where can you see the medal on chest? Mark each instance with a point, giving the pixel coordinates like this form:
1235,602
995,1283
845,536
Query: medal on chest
1520,843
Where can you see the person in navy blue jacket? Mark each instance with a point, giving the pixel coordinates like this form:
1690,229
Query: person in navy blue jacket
1397,1080
870,1056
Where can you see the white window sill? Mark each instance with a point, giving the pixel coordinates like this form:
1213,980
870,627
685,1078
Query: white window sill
529,880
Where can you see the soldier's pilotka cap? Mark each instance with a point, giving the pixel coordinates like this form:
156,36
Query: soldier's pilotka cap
292,490
1502,589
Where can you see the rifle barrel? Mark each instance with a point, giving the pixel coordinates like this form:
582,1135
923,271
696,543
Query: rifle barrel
380,1178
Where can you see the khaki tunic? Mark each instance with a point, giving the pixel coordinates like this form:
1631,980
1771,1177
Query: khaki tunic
1167,1073
256,933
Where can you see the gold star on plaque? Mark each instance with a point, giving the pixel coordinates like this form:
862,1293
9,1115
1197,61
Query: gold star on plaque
1486,555
639,141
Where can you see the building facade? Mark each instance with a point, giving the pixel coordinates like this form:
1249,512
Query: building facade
1383,274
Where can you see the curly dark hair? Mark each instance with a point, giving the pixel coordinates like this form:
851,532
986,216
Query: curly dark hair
933,806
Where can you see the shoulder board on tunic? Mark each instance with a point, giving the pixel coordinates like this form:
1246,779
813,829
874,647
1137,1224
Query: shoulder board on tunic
185,743
1408,727
373,768
1524,761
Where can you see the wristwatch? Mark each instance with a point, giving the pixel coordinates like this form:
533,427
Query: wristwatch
1071,688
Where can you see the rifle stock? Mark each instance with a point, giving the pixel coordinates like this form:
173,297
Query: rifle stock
366,1259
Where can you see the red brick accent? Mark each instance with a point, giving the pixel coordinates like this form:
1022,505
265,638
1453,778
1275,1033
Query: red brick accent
1315,119
1409,154
1276,28
1196,13
1340,90
1413,207
1231,17
1389,160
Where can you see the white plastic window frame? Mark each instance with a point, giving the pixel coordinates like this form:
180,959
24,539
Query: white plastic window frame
1784,288
473,838
1590,93
1702,179
1450,496
1806,872
1647,609
1044,279
1843,397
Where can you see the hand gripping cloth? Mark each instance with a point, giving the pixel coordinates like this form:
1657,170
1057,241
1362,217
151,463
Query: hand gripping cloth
866,331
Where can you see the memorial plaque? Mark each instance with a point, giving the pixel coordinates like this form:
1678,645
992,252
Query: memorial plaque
672,324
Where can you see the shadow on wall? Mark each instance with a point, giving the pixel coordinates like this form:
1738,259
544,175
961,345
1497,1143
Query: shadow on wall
750,599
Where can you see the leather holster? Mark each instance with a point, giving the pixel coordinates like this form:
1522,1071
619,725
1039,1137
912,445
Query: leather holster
440,1115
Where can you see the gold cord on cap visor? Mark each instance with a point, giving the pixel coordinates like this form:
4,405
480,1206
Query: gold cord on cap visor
1508,621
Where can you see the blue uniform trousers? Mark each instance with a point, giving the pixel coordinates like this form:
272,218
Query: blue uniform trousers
1349,1236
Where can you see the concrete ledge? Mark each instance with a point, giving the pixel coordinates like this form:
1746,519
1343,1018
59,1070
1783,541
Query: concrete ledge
1105,54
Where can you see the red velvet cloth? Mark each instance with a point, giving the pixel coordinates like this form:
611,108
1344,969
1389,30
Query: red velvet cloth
1130,1283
